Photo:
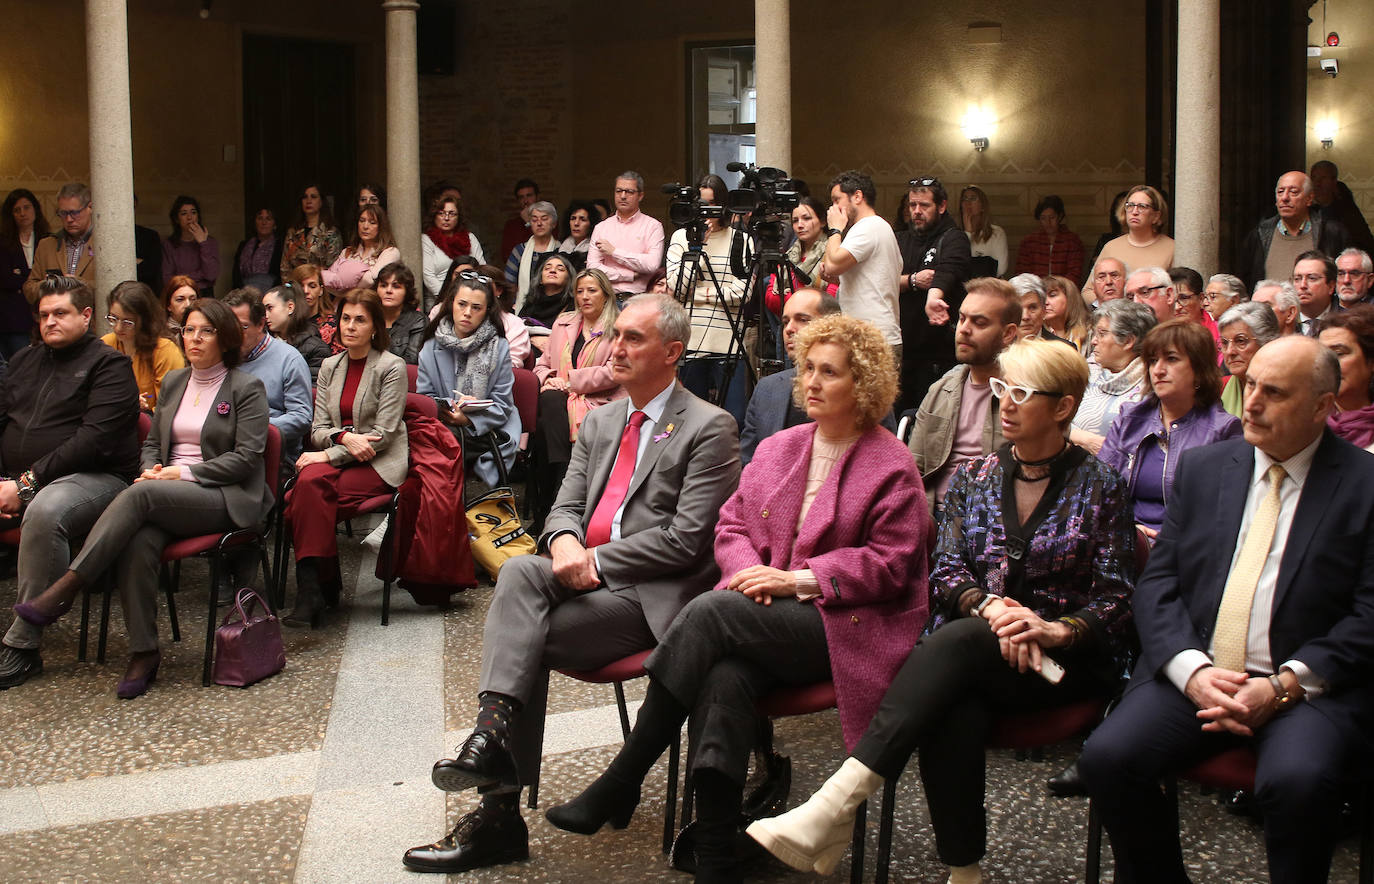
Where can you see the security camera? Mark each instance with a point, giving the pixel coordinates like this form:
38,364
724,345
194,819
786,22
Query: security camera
1330,68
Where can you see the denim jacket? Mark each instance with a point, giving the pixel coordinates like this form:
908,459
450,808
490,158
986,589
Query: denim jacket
1139,423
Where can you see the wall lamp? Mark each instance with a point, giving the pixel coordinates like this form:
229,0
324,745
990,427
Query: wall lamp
979,124
1326,132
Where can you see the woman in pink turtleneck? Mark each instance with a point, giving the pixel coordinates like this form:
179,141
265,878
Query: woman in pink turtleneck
202,474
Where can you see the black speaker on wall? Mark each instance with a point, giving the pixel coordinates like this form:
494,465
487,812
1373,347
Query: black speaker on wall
438,36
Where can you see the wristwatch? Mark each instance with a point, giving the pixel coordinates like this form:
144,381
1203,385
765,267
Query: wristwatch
1282,698
830,231
27,486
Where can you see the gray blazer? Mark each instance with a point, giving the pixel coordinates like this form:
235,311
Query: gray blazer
232,441
666,551
378,410
767,412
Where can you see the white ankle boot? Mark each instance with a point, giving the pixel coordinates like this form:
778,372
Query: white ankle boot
815,835
970,874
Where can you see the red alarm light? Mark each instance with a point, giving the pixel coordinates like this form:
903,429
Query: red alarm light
1333,39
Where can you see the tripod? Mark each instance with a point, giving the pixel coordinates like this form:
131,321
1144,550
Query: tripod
768,261
712,312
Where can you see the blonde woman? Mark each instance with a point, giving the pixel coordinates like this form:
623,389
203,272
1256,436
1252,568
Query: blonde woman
1065,313
975,218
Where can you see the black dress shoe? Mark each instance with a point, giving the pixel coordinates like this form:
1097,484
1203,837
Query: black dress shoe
1067,782
481,838
484,760
18,665
766,794
1240,802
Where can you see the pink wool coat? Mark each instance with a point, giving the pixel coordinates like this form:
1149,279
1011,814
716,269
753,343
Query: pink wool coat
593,379
865,538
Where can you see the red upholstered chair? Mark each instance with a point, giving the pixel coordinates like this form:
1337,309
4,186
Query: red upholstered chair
382,503
616,674
412,375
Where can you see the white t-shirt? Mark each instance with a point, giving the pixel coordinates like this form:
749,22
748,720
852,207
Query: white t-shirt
868,290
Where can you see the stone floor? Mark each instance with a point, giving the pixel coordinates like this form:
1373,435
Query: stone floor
321,773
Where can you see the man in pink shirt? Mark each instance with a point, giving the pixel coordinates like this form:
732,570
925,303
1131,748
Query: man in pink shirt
628,246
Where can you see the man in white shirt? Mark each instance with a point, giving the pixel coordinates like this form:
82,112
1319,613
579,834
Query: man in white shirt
861,252
1256,623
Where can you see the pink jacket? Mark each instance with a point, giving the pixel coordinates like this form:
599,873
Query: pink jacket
593,379
864,538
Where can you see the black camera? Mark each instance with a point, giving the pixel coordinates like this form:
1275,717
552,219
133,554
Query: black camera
765,193
686,206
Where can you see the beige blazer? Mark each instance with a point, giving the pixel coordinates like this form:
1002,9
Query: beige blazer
378,410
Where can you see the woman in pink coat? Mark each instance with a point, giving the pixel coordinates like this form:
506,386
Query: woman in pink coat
822,552
574,375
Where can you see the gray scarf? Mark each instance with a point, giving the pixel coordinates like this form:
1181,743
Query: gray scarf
473,357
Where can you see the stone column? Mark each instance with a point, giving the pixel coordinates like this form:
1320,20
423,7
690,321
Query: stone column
403,129
111,145
773,70
1197,160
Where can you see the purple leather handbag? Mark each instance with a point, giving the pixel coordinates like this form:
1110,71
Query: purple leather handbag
248,644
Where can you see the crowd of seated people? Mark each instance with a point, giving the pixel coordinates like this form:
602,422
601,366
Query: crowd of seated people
1221,421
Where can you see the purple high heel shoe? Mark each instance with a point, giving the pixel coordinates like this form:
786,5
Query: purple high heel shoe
34,617
128,688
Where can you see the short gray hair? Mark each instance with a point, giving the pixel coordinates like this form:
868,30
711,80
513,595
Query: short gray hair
1127,319
1257,317
1365,263
1158,275
544,207
1232,283
1326,372
1028,284
75,189
629,175
673,322
1287,297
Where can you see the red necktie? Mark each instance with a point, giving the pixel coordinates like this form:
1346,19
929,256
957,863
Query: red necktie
599,528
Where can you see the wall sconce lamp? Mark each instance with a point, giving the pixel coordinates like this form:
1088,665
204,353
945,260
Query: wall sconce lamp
1326,133
978,127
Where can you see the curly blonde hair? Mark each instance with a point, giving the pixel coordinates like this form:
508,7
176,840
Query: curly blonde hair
870,361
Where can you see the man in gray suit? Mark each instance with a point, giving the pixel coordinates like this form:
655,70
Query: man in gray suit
771,408
627,544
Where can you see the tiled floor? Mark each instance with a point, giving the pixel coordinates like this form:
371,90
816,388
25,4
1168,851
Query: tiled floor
321,773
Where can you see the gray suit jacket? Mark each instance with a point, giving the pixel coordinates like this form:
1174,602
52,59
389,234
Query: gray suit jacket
665,554
767,412
232,441
378,410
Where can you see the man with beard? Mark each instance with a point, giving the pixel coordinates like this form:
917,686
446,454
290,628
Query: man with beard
936,261
1354,271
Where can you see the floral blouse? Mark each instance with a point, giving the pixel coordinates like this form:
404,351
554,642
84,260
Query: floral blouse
317,245
1074,556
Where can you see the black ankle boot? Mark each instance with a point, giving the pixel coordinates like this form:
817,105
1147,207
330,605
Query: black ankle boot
718,827
309,609
607,800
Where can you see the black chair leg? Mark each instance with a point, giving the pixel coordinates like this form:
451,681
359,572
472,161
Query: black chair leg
888,811
107,592
1092,874
85,624
856,850
623,710
386,602
210,622
267,593
670,812
1366,823
170,591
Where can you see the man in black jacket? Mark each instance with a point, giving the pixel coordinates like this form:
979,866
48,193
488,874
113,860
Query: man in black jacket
1271,249
68,445
936,262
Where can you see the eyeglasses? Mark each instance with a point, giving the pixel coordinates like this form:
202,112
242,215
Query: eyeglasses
1351,274
69,214
473,275
1183,297
1240,342
924,182
1309,278
625,191
1139,207
1019,394
1140,293
196,332
447,215
116,322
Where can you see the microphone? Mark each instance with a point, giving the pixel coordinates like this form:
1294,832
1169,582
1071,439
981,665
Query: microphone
736,166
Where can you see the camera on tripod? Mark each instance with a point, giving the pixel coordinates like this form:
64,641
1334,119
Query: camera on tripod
687,207
765,193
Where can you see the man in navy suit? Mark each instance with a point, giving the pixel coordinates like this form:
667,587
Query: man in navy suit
771,408
1291,675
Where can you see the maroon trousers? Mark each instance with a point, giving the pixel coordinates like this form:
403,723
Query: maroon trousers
321,491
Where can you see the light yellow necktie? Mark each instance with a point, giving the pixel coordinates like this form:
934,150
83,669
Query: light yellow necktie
1233,617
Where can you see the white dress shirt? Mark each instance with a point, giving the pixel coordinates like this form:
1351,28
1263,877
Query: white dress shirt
1257,655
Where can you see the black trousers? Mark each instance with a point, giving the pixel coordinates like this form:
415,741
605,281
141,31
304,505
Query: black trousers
725,650
947,694
1304,762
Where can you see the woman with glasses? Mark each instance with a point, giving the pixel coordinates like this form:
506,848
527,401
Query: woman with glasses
202,474
361,448
139,330
1030,609
1223,292
465,365
1244,329
1116,375
190,250
446,239
1181,409
986,239
1188,305
1145,216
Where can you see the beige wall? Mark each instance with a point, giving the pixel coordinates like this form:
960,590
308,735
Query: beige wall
186,87
1346,99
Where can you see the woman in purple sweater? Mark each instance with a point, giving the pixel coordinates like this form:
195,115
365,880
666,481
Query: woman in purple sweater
190,250
822,553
